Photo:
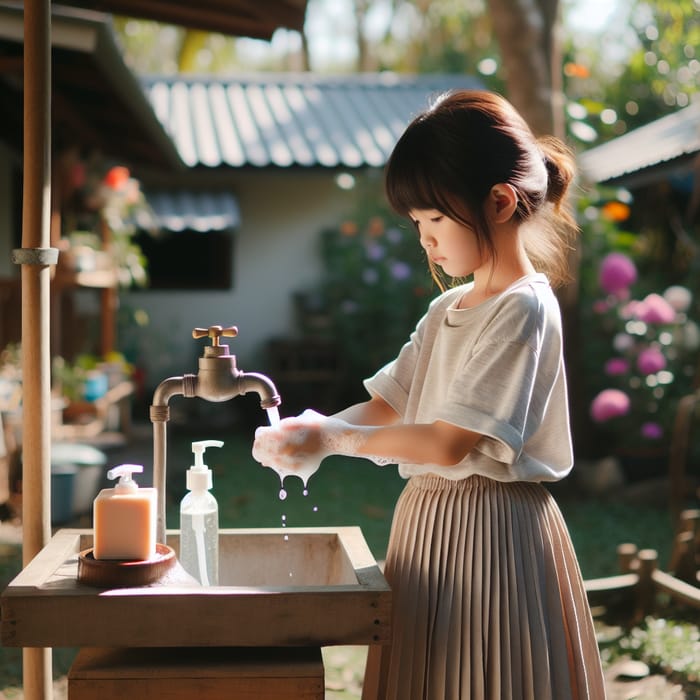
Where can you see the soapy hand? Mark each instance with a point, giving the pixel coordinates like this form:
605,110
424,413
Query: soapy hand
298,445
294,446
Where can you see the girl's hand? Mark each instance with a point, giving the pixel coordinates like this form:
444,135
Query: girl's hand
293,446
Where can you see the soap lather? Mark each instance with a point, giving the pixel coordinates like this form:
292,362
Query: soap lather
124,518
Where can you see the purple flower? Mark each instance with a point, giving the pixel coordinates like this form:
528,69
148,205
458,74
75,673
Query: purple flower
651,360
651,431
349,306
400,270
374,251
609,403
655,309
370,276
394,235
617,273
616,366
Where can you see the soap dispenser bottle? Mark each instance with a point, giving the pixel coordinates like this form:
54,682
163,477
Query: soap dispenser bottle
199,520
124,518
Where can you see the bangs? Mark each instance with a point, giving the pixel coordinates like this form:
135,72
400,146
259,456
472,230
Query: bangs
412,187
423,171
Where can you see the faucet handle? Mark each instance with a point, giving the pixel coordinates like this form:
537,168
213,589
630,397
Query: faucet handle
215,332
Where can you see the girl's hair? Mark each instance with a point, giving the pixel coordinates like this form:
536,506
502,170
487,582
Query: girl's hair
467,141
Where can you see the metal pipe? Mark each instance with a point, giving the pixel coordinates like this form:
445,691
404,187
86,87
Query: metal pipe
218,380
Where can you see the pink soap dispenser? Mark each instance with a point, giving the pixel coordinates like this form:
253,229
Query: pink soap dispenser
124,518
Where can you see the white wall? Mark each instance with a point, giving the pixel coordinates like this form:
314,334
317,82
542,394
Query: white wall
275,255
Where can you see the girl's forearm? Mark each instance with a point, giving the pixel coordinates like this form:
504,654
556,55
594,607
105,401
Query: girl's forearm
437,443
374,411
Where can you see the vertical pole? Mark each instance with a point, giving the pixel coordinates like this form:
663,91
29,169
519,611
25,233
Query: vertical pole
35,258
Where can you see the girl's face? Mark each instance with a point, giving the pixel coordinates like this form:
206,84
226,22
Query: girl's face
449,244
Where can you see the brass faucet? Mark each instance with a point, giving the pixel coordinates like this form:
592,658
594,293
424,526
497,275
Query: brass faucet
218,379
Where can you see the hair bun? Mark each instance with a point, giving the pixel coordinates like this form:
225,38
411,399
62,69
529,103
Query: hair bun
561,169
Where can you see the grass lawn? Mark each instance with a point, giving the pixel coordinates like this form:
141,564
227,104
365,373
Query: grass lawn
351,492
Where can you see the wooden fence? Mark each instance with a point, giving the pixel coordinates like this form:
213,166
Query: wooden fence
642,588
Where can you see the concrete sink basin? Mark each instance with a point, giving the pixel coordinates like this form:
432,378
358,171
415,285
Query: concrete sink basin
278,587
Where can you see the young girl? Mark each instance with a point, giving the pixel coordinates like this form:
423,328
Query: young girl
487,594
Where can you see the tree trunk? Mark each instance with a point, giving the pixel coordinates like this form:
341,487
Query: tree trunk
527,32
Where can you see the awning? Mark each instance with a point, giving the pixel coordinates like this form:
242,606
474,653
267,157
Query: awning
250,18
184,210
668,145
97,101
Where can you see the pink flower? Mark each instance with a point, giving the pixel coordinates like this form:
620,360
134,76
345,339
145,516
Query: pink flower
651,360
601,306
651,431
678,297
617,273
609,403
655,309
623,342
616,366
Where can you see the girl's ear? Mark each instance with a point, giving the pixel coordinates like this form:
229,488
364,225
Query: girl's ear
502,202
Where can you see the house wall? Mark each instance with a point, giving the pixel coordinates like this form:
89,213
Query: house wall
275,254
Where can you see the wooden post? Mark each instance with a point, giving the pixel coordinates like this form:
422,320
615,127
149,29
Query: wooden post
109,300
35,257
645,591
626,556
683,562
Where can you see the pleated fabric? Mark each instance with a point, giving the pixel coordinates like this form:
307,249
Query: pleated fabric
488,598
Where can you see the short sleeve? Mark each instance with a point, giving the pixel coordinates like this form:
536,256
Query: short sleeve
494,395
393,381
502,388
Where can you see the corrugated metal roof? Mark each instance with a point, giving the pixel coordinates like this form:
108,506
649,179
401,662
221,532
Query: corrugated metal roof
184,210
664,140
292,119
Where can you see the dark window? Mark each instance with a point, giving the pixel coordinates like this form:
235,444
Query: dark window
189,259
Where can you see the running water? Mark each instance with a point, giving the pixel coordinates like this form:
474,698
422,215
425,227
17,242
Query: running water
273,415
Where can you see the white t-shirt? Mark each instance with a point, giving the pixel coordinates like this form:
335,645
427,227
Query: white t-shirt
496,369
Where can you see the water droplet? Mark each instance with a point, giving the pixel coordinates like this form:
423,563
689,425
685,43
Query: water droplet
305,492
315,509
284,517
283,494
290,574
286,538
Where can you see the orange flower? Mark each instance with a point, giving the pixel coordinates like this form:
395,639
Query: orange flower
117,177
348,228
615,211
576,70
375,226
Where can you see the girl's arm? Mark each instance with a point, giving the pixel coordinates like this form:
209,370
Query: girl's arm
375,411
369,429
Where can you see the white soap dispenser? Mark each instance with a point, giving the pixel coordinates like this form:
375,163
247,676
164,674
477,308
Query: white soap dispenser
199,520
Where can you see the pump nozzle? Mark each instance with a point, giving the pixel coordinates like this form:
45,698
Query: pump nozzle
124,473
198,449
198,475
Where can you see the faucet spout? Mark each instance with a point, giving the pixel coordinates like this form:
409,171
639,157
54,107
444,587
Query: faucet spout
254,381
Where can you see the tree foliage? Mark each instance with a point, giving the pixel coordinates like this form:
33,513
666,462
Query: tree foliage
657,71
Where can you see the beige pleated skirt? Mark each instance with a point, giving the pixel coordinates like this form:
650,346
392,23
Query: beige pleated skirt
488,598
